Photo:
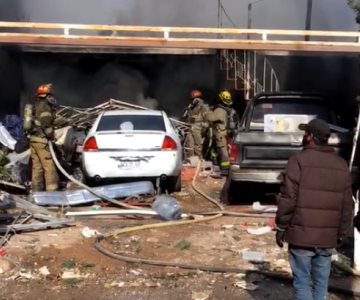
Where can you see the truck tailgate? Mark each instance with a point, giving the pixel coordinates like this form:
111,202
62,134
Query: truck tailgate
272,150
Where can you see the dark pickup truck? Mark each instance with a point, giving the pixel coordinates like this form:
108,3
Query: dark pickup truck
268,135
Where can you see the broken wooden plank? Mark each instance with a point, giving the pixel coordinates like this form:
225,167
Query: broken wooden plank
13,185
26,205
35,226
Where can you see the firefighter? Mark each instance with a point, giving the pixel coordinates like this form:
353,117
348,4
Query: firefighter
220,122
195,115
44,173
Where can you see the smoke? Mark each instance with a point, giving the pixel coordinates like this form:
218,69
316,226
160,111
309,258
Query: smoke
280,14
156,82
77,85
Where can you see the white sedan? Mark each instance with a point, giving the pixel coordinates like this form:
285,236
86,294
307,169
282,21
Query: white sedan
133,144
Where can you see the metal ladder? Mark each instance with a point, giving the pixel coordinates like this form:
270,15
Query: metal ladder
250,71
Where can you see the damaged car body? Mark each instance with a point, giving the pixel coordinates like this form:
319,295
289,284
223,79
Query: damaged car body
133,144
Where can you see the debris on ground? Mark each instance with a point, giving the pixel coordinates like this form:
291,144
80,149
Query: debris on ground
263,209
259,230
246,285
200,295
44,271
89,233
83,196
6,265
167,207
29,217
74,274
254,256
113,284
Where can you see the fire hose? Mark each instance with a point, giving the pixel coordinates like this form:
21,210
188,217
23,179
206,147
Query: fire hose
215,214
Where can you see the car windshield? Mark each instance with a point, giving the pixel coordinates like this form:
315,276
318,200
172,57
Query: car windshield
292,107
131,123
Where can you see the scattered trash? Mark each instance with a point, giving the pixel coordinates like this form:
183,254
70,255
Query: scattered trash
207,169
114,284
152,240
73,274
89,233
96,207
254,256
183,245
82,196
246,285
259,230
200,295
23,275
264,209
6,139
2,252
6,265
151,284
44,271
167,207
136,272
230,226
194,160
30,218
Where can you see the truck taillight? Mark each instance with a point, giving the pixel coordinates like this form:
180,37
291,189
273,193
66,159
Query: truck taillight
90,144
234,153
168,144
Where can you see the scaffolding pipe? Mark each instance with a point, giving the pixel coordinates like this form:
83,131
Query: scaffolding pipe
264,76
254,73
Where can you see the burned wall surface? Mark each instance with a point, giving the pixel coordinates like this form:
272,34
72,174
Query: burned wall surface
10,81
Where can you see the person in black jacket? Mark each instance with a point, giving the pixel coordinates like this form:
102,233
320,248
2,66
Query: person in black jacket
314,210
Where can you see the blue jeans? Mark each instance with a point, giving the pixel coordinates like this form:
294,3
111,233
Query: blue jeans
311,271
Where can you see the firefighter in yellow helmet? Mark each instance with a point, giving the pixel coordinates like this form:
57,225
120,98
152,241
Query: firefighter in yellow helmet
44,173
195,115
219,119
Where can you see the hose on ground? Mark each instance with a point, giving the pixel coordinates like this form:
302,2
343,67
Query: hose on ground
199,191
214,269
77,182
218,269
101,249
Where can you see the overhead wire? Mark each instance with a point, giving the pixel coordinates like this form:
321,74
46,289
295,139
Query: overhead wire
227,15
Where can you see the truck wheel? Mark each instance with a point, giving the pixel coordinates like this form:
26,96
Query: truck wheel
79,175
227,192
173,184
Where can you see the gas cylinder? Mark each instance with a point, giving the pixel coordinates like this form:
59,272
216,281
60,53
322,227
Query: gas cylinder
28,117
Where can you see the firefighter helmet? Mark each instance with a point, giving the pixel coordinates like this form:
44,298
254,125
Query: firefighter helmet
195,94
225,97
44,90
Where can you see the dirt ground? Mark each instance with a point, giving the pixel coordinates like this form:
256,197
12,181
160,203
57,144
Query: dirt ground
62,264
